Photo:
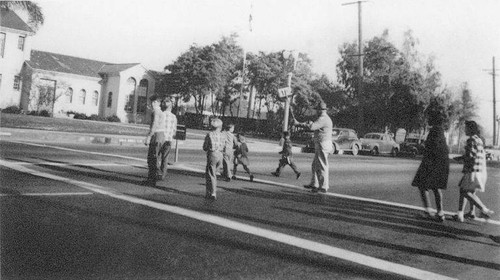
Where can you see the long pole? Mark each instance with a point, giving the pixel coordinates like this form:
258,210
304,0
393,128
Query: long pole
495,140
495,117
287,104
242,82
360,68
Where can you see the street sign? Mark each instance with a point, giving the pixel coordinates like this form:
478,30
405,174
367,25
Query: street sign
181,132
284,92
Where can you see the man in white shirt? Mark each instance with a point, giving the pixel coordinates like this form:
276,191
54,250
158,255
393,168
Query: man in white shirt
160,137
323,145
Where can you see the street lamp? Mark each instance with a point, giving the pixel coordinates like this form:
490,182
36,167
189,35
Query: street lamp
291,59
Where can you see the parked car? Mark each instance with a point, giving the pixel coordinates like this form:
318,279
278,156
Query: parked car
413,145
343,139
379,143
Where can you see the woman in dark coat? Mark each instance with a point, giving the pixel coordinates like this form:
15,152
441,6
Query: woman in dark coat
432,174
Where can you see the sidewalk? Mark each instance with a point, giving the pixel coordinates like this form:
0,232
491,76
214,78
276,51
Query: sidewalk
195,143
66,137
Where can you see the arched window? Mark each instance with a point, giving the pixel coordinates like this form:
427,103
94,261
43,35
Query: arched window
110,99
69,95
83,96
142,94
95,98
130,94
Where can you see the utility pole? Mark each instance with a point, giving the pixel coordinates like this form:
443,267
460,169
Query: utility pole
492,73
360,68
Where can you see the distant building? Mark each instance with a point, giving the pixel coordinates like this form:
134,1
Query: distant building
36,80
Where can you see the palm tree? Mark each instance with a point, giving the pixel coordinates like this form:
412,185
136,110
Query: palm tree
35,15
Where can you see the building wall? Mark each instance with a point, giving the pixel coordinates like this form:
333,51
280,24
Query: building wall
138,73
11,64
110,85
61,102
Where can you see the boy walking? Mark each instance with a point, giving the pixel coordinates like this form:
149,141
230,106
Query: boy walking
286,156
213,146
241,156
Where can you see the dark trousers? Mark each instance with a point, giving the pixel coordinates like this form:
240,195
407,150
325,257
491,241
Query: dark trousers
284,162
159,149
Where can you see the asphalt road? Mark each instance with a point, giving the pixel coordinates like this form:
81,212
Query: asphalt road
78,211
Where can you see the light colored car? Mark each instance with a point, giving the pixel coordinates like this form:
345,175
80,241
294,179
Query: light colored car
379,143
343,140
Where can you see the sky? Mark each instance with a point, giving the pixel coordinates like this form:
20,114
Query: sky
462,35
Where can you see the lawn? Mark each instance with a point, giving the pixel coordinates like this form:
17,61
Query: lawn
70,125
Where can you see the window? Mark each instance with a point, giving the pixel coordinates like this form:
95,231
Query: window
110,99
2,44
20,43
129,103
142,103
83,96
69,95
17,82
95,98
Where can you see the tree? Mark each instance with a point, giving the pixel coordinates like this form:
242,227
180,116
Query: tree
465,109
35,15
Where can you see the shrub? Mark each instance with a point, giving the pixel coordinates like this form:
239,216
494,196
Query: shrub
113,118
44,113
95,117
80,116
12,110
33,113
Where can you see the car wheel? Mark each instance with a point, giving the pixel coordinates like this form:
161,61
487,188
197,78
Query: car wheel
334,151
374,151
355,150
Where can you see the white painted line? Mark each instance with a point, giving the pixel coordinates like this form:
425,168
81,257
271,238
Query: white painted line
74,164
77,151
46,194
182,167
313,246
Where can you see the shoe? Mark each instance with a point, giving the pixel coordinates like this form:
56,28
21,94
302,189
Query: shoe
298,175
227,179
439,218
251,178
470,216
316,190
211,197
309,187
234,177
275,174
486,214
458,218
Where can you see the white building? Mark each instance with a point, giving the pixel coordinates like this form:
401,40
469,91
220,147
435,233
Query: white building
61,84
15,48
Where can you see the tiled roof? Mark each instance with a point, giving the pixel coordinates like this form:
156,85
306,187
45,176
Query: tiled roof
65,64
114,68
10,19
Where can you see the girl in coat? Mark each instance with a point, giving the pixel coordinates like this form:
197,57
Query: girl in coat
474,171
432,174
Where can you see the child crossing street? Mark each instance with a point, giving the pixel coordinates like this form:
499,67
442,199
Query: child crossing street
241,156
286,157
